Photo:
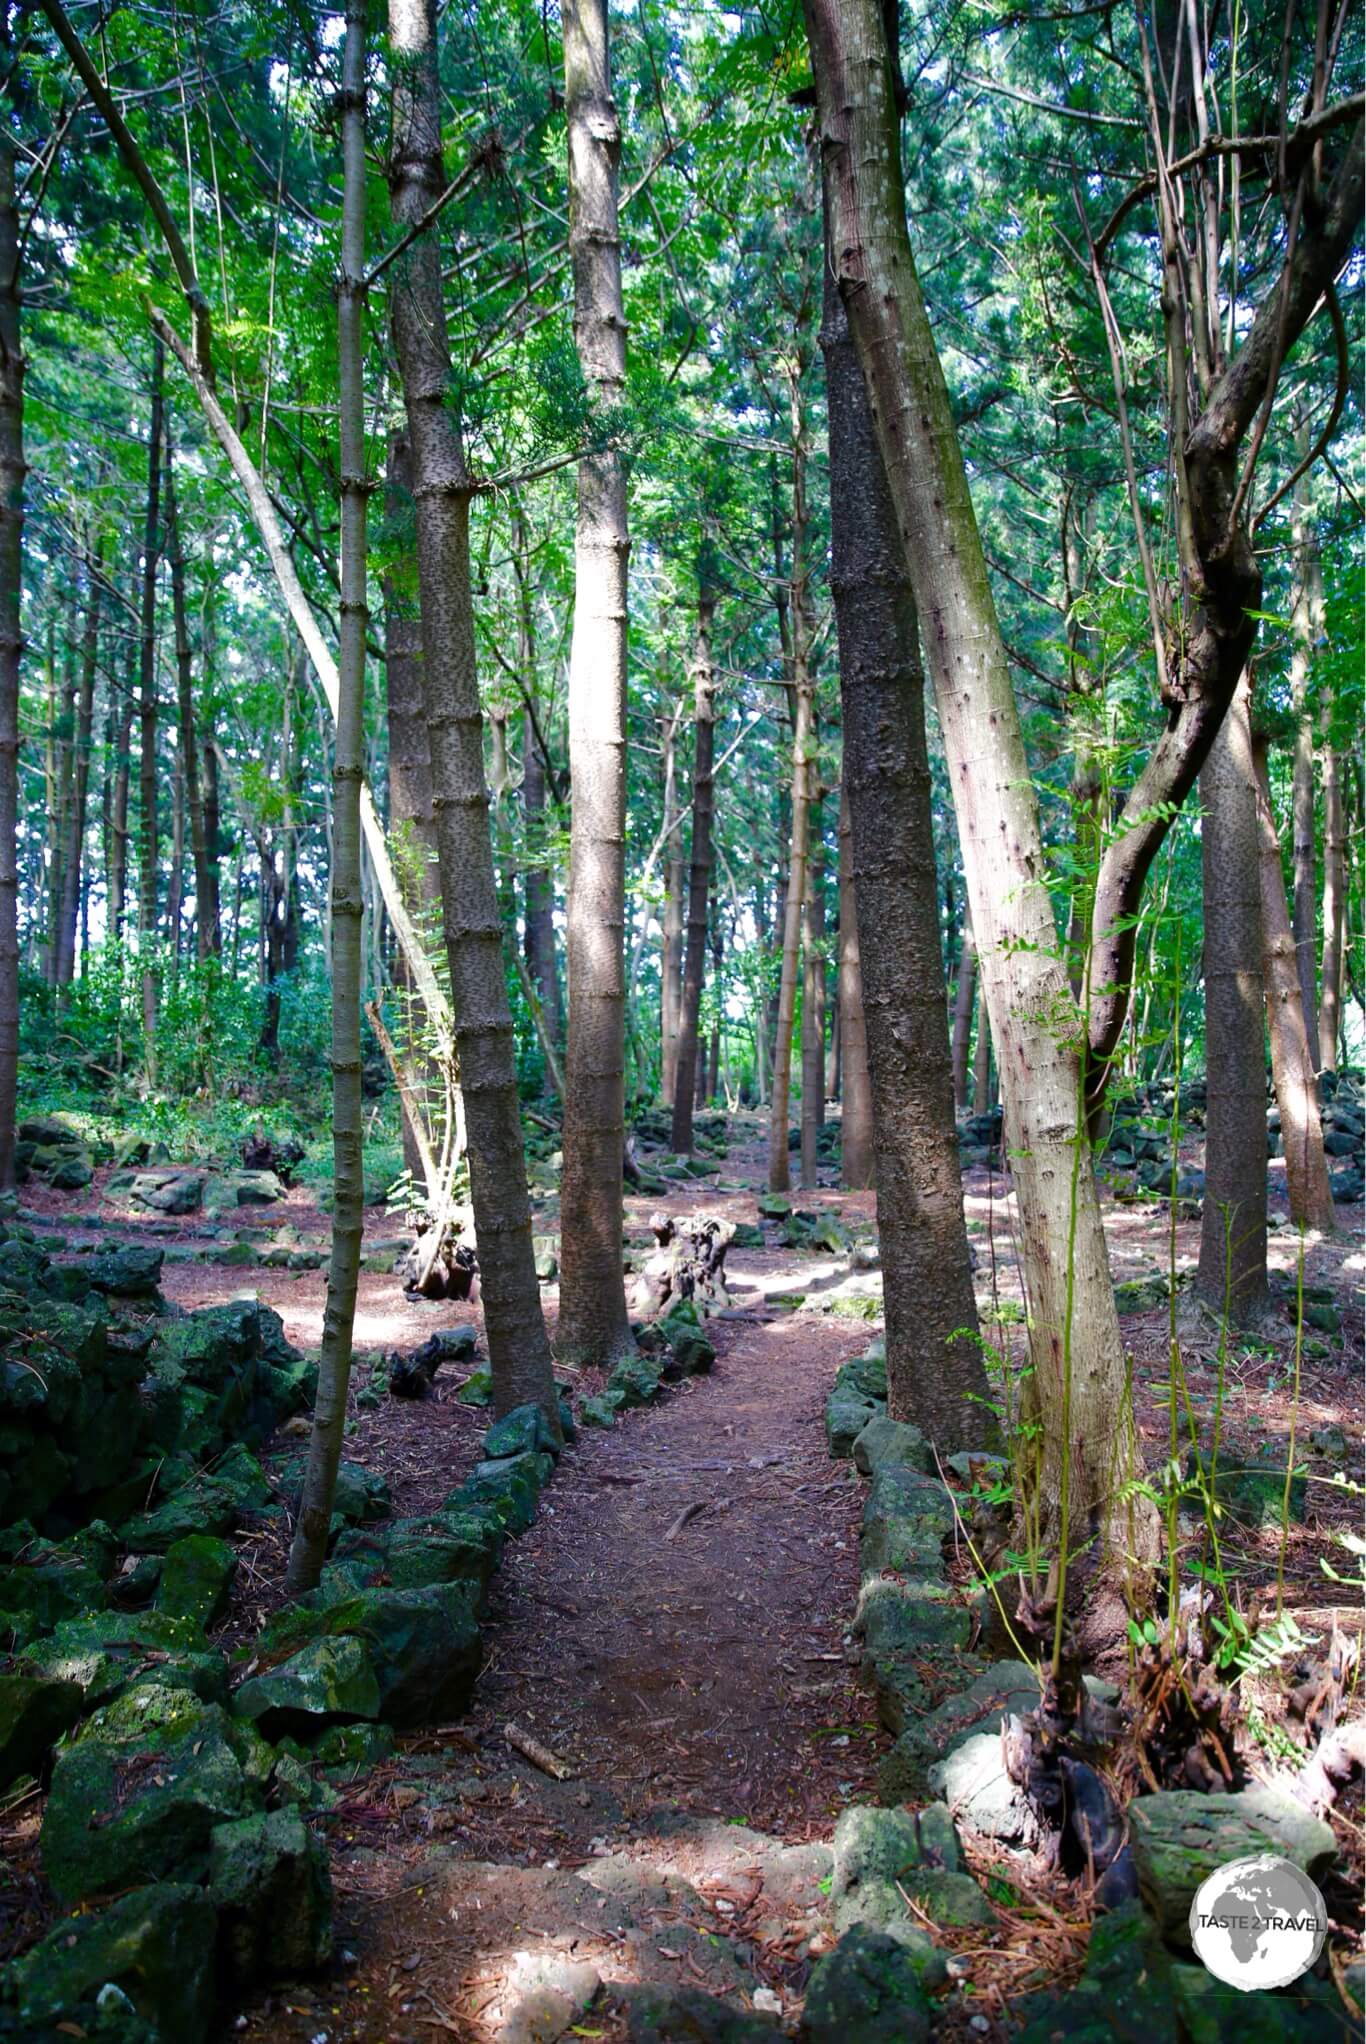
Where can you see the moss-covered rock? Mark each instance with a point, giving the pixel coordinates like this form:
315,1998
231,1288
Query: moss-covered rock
196,1579
108,1651
270,1886
155,1947
136,1796
867,1991
892,1444
328,1681
523,1431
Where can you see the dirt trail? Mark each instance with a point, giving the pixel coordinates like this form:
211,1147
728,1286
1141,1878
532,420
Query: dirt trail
674,1627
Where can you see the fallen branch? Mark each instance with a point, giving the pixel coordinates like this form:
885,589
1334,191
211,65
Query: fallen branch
689,1512
540,1756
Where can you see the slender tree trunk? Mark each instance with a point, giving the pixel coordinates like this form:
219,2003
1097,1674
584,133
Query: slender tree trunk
934,1365
1334,903
519,1352
12,473
856,1142
982,1072
205,876
1077,1388
313,1525
594,1327
1293,1049
699,880
813,996
60,780
963,1001
538,885
718,953
147,723
1231,1276
175,883
1307,626
211,922
794,911
671,963
73,860
118,808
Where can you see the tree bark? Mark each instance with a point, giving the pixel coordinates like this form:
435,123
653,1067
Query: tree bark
205,863
964,995
1293,1048
1334,902
147,722
856,1127
12,473
1307,627
539,892
309,1546
671,960
519,1352
981,1057
412,826
1231,1277
699,881
594,1326
73,858
61,702
121,769
1077,1388
212,923
813,996
794,915
935,1375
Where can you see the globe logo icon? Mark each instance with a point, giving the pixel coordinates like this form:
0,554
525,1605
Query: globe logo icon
1258,1923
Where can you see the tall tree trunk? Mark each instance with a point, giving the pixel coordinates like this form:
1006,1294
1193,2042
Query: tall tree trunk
412,825
856,1131
175,881
73,859
60,782
794,914
519,1351
718,953
121,769
205,873
1307,626
147,723
935,1376
981,1057
12,473
538,886
594,1327
813,996
699,879
1232,1271
1077,1388
671,960
311,1530
1293,1048
211,922
1334,902
963,1001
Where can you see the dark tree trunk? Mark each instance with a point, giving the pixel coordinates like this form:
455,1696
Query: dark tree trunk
211,925
1307,623
73,859
671,959
519,1351
147,723
121,769
205,866
934,1369
699,881
12,472
1232,1272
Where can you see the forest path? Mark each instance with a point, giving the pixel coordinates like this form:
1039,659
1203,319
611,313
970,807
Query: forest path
673,1627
